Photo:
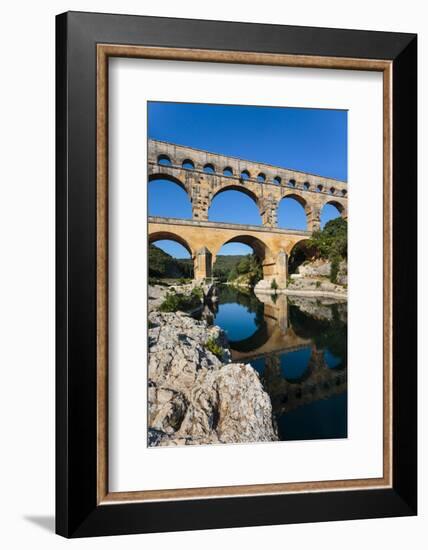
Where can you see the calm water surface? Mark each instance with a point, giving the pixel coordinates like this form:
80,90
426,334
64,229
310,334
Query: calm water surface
299,348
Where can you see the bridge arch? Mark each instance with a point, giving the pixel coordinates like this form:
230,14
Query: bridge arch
260,249
297,255
240,188
331,210
168,177
209,168
188,164
180,200
249,211
170,236
164,160
337,204
301,218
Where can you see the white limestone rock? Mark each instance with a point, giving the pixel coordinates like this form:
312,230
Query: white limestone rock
196,397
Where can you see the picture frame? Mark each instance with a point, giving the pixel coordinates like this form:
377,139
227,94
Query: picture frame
84,44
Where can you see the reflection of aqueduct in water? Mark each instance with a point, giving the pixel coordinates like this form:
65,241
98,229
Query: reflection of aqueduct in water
277,336
204,175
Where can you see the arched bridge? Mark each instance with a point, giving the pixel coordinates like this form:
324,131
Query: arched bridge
203,175
203,240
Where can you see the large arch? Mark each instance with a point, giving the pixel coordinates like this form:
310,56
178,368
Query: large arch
165,176
169,236
334,205
338,205
305,211
166,198
298,254
239,189
259,248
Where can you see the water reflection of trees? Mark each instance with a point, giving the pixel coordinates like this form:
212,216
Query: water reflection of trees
247,299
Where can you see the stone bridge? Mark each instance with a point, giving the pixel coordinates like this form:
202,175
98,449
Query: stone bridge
204,239
203,175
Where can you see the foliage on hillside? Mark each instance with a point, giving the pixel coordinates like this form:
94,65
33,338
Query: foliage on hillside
224,265
332,240
329,243
247,271
327,334
163,265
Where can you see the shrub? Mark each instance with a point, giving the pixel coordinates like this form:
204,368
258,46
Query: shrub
335,261
318,284
249,265
178,302
198,292
214,347
332,240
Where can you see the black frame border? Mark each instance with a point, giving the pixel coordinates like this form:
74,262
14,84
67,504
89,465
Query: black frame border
77,512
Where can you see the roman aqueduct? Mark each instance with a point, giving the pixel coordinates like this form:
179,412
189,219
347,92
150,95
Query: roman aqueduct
203,175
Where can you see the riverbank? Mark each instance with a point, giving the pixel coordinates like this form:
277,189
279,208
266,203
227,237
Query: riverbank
196,395
310,288
341,296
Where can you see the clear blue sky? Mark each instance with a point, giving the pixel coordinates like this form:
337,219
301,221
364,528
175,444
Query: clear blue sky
311,140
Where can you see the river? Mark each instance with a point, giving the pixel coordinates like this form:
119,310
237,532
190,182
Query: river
299,348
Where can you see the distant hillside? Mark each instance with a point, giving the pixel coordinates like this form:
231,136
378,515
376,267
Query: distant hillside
224,265
231,268
162,264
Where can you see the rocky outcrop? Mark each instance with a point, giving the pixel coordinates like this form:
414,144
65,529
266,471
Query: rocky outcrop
158,292
156,295
313,278
318,269
196,396
342,274
315,268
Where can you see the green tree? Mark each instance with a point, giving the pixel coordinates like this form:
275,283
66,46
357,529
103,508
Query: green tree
329,243
332,240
